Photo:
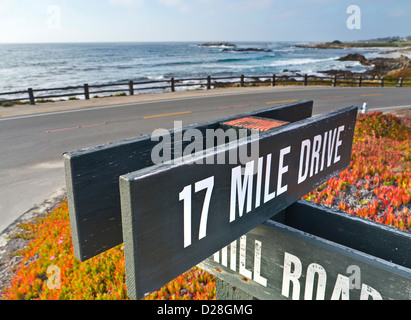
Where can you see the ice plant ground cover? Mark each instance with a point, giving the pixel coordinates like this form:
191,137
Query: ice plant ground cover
376,186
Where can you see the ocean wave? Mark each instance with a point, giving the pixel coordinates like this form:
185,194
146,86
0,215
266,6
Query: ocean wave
156,77
228,60
296,62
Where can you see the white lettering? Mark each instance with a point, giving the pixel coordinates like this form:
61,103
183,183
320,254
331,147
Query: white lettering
323,153
305,151
367,291
243,259
267,195
224,256
217,257
241,188
310,162
315,158
339,143
281,170
341,288
257,264
243,253
186,197
168,310
259,179
291,262
312,270
233,256
331,144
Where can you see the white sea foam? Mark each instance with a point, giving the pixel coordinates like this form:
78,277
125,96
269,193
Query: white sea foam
296,62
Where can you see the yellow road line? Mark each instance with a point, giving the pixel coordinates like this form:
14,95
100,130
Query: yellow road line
371,95
167,115
285,101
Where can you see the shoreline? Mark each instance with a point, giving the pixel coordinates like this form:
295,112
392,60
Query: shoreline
386,63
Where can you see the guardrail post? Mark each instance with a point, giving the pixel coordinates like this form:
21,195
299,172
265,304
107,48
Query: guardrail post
172,85
360,82
382,82
86,92
305,80
31,96
208,82
242,80
131,87
400,81
335,81
273,80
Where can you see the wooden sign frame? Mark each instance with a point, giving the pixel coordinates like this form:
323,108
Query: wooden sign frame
92,180
311,252
176,215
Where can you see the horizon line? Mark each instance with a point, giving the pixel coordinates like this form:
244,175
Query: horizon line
160,41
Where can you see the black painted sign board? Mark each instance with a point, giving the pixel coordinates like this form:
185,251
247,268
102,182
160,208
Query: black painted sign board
311,252
92,179
176,215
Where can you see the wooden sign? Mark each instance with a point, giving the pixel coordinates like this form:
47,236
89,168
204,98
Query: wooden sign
314,253
92,180
176,215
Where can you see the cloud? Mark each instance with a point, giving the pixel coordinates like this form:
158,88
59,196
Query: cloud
175,3
126,3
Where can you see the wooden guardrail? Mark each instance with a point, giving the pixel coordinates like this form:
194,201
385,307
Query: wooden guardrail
130,87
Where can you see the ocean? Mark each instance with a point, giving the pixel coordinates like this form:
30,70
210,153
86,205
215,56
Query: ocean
41,66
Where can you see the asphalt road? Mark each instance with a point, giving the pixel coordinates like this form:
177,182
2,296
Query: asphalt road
31,165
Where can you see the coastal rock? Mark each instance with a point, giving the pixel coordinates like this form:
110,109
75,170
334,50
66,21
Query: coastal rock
217,44
342,74
248,50
356,57
382,66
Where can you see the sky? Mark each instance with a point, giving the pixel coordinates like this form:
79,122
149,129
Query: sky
39,21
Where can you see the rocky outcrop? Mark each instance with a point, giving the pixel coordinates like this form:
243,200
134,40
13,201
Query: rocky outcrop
382,66
356,57
342,74
248,50
217,44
